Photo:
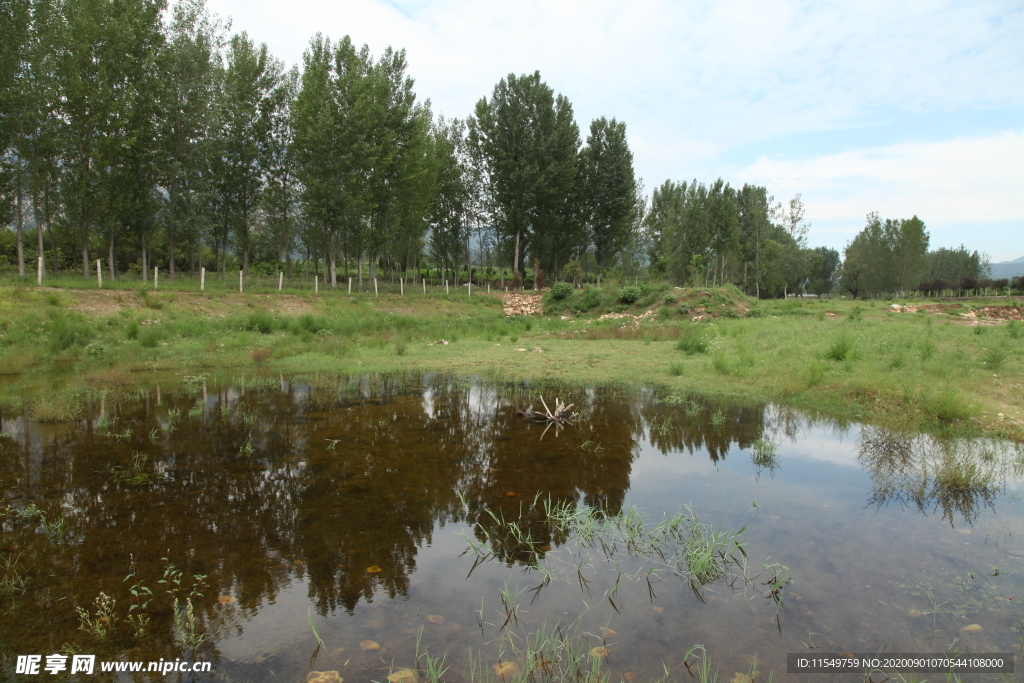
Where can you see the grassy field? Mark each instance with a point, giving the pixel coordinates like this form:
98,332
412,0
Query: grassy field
935,370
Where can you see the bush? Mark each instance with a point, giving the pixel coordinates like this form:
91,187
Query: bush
692,341
993,357
591,299
149,337
948,407
67,331
669,299
757,312
260,321
561,290
630,294
840,349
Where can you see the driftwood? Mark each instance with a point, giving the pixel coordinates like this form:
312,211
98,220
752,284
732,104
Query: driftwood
561,417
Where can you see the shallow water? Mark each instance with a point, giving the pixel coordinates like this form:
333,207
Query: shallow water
349,509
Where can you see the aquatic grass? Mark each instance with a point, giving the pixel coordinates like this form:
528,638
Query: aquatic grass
764,452
11,580
134,473
57,407
701,669
101,623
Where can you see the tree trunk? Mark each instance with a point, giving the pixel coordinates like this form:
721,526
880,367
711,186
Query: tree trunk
49,230
145,264
21,236
40,249
170,231
515,257
110,257
85,249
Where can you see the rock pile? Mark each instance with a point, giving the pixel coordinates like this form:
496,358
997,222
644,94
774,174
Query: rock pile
522,304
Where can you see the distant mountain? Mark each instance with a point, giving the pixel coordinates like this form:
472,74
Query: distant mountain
1008,268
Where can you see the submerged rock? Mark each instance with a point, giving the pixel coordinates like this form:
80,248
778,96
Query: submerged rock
324,677
741,678
368,645
600,651
914,613
506,669
973,628
403,676
435,618
227,599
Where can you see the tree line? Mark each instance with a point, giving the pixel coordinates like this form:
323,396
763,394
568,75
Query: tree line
152,136
156,138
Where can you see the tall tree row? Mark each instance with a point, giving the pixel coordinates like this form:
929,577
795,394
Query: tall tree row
148,135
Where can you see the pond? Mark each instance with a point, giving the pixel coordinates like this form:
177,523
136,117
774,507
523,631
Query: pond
400,526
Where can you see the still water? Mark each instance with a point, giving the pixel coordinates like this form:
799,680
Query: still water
276,526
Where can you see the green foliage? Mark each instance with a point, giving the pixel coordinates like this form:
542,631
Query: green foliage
692,340
260,321
993,357
69,330
150,336
629,294
947,407
840,349
561,290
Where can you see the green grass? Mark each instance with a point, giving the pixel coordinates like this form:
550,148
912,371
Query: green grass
860,362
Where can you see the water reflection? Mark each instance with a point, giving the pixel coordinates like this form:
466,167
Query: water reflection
956,477
338,485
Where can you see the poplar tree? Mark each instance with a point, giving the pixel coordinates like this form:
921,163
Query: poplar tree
609,188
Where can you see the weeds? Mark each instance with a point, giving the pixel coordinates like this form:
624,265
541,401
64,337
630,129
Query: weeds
840,349
11,581
993,357
134,474
764,453
100,624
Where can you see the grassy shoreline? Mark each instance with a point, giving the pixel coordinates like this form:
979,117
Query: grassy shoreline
935,370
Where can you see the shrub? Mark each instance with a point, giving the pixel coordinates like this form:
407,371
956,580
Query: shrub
675,368
260,354
840,349
692,341
993,357
757,312
669,299
947,407
149,337
260,321
629,294
591,299
561,290
67,331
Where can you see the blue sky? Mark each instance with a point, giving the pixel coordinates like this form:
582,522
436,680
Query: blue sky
901,108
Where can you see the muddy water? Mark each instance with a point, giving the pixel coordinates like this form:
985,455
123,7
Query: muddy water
374,513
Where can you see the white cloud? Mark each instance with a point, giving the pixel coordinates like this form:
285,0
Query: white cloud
955,181
696,79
